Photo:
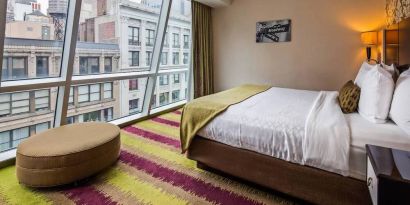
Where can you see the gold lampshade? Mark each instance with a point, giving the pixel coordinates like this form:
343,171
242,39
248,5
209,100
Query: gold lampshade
369,38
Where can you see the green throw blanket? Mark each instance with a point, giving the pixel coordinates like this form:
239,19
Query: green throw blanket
197,113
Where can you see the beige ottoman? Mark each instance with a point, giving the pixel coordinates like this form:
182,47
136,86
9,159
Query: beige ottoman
67,154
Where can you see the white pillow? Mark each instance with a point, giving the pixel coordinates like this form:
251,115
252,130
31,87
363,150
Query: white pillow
362,73
392,69
400,107
376,93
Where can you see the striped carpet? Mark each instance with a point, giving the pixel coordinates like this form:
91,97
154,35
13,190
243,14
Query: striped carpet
150,170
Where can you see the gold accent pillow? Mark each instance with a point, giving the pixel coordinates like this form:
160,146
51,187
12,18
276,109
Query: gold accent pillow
349,97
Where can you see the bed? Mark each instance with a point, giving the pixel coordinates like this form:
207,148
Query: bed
266,134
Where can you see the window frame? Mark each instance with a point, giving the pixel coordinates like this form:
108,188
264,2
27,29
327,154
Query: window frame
134,38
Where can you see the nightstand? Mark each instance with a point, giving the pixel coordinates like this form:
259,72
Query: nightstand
388,175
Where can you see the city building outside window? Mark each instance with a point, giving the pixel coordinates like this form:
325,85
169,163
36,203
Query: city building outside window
11,138
107,64
14,68
163,80
42,100
133,36
163,98
164,58
175,40
175,95
154,101
71,97
133,84
41,66
45,32
89,65
108,90
186,58
108,114
90,117
176,78
175,58
166,40
148,58
88,93
133,104
186,41
133,58
150,37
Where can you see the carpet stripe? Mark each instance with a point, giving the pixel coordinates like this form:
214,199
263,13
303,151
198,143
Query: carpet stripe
170,156
14,193
209,177
178,112
157,182
158,128
153,136
199,187
143,191
166,122
88,195
172,116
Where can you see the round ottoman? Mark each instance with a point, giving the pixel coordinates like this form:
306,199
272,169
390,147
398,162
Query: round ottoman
67,154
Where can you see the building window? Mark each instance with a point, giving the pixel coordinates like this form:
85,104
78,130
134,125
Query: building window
175,40
133,84
107,90
88,93
150,37
175,58
108,114
133,58
154,101
148,58
164,58
70,120
41,66
89,65
90,117
166,40
186,41
176,78
107,64
14,68
42,100
186,58
163,80
133,36
11,139
45,32
175,95
71,98
163,98
133,104
20,103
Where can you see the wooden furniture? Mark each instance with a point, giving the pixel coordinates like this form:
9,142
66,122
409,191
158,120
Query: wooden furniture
388,175
304,182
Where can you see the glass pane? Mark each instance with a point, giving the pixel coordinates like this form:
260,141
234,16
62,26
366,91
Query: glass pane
118,35
170,88
25,113
118,100
176,54
34,39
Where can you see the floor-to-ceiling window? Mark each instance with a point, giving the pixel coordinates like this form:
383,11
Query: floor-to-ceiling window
105,60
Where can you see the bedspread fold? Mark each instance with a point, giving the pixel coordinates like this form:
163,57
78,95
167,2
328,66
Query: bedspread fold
327,136
197,113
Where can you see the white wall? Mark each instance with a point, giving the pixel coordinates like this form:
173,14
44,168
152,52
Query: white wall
324,53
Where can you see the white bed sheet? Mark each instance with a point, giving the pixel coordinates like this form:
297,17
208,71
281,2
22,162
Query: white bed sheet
364,132
275,117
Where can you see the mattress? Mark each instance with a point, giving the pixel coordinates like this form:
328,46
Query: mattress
273,123
270,123
364,132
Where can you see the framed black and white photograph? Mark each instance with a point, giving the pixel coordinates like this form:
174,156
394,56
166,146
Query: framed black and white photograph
273,31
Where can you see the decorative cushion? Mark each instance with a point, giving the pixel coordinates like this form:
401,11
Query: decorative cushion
67,154
349,97
400,107
376,94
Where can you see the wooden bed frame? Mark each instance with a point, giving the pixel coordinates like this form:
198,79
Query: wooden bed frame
303,182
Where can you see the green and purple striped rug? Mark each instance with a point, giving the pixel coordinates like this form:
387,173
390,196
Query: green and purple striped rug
150,170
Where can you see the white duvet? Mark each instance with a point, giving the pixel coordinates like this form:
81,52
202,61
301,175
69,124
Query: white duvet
299,126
